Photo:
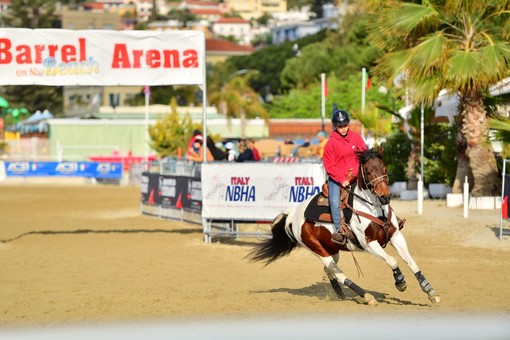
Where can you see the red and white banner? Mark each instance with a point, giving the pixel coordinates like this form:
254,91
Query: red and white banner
101,58
257,191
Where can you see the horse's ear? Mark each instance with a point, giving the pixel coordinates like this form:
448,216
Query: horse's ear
380,148
361,182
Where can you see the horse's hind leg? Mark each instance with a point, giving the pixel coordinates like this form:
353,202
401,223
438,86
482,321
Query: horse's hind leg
333,280
399,243
331,268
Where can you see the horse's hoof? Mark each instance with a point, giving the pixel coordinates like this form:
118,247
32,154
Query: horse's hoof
401,286
433,297
370,300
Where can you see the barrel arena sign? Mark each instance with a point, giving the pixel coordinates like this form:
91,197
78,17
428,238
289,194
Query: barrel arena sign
96,57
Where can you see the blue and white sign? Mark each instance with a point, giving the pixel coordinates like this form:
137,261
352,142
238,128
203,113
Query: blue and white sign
67,169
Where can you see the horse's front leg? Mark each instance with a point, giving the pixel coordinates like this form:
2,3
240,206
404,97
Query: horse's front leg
399,243
375,249
331,268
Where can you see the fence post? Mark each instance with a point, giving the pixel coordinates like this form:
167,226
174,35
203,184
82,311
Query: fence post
466,197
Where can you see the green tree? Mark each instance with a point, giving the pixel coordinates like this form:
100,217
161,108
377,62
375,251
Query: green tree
461,46
270,62
396,153
237,99
184,16
171,133
33,14
345,93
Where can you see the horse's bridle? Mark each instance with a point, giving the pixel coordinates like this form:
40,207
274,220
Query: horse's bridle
370,184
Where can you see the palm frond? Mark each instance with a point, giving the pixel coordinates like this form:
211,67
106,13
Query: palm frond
464,69
429,54
411,16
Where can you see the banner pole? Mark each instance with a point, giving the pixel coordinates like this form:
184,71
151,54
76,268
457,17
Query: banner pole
323,99
147,93
363,82
204,105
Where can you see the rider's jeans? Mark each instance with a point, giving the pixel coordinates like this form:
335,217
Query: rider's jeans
334,202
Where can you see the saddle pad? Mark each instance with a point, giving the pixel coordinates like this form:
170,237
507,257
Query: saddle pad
318,209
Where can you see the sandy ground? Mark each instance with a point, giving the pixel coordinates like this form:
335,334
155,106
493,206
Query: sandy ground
85,255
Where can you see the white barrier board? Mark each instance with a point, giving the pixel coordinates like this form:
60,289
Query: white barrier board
257,191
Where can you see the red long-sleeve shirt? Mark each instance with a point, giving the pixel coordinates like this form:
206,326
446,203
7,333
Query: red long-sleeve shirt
340,159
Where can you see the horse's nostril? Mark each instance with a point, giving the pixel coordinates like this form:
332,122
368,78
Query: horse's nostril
385,199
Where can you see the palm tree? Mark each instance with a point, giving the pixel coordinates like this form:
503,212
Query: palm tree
237,99
457,45
502,134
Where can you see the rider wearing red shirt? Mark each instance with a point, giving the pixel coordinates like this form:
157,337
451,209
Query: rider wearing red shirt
341,163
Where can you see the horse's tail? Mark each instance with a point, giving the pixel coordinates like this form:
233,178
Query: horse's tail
279,245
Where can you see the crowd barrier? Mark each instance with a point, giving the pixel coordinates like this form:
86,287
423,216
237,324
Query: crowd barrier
228,198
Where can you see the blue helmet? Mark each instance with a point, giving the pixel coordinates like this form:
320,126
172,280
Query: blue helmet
340,118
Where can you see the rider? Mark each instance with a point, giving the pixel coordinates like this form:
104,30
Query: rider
341,163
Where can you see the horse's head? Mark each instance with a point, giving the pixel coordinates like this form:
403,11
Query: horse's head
373,174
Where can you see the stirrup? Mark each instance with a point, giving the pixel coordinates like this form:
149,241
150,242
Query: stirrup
338,238
401,223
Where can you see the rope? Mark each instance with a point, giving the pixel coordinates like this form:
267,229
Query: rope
356,263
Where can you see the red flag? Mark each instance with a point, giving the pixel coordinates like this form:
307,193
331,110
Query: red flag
369,81
504,207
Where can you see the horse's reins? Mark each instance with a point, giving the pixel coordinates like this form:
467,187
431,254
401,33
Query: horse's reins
381,223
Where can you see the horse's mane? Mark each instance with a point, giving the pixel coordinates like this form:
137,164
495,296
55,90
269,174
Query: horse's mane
366,155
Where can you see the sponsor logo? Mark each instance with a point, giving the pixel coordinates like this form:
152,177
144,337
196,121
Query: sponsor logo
240,190
18,167
104,168
67,167
302,189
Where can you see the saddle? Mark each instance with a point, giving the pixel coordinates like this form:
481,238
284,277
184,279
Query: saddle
318,209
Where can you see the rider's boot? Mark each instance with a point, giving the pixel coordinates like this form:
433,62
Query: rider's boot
340,236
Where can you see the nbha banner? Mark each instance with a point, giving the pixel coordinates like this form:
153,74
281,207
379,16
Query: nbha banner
257,191
58,57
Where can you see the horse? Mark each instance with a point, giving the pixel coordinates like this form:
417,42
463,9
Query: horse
372,226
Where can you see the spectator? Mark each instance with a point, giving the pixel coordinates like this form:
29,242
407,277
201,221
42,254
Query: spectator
230,152
288,140
199,155
322,143
304,145
218,154
245,153
191,145
256,153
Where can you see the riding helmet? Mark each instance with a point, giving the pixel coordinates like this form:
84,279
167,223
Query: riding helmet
340,118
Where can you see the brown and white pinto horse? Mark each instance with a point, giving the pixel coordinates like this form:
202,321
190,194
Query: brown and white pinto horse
373,225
